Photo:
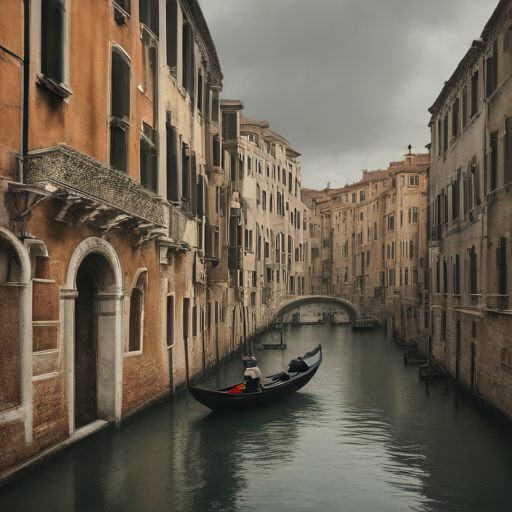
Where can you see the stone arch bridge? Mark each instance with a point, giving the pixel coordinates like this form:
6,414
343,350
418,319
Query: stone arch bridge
290,302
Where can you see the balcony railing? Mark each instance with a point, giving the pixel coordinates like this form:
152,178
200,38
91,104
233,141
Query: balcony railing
77,172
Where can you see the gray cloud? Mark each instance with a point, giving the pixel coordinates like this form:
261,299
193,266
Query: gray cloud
347,82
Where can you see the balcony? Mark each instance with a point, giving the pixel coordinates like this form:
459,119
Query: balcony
177,224
78,174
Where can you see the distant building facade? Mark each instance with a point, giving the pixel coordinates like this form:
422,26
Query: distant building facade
267,234
470,216
368,244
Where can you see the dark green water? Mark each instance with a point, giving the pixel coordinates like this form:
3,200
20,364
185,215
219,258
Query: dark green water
363,435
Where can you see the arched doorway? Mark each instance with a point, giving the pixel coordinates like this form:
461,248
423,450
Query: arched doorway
86,349
91,302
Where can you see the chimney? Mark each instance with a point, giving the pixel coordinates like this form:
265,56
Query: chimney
409,157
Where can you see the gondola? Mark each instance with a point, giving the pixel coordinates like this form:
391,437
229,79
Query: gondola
276,386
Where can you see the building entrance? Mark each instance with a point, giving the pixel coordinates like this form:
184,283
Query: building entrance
86,349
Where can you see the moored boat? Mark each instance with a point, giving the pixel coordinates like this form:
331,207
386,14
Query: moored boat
236,396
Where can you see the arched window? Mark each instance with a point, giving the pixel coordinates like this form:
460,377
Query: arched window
136,326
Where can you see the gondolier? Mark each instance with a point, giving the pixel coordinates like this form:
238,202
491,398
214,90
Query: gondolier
252,375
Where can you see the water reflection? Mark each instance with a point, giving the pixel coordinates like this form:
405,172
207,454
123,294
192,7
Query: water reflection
362,435
232,446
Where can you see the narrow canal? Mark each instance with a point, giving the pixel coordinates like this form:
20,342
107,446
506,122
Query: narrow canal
363,435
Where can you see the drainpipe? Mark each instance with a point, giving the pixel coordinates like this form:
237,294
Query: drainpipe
25,91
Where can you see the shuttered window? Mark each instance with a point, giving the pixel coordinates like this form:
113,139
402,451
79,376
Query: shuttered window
172,165
53,19
172,33
148,14
120,109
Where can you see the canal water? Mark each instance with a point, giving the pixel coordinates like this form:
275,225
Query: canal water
363,435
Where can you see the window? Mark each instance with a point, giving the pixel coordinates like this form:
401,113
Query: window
172,33
473,271
391,222
149,64
248,240
491,72
456,275
456,118
148,164
474,94
148,14
186,315
264,200
215,107
493,161
170,321
200,91
136,301
185,177
361,195
391,277
137,313
501,253
188,59
194,321
455,199
119,109
414,181
439,137
172,162
445,132
354,197
53,31
465,108
411,249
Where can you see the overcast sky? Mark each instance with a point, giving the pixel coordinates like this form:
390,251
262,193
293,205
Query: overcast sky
347,82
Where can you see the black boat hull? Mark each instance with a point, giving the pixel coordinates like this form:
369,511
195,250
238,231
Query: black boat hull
221,400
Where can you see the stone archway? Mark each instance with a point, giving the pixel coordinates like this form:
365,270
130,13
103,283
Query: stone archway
295,302
91,330
15,281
